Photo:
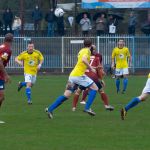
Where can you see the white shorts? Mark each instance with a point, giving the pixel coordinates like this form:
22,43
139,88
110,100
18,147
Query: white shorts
147,87
84,80
30,78
120,72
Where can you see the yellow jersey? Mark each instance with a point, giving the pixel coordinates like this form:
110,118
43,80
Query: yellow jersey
80,67
121,55
30,61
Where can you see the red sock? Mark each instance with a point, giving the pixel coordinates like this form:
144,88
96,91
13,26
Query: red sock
104,98
75,100
84,95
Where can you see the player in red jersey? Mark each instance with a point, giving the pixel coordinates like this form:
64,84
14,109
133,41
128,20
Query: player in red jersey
5,54
96,63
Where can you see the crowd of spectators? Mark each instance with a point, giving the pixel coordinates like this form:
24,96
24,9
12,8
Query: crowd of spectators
55,26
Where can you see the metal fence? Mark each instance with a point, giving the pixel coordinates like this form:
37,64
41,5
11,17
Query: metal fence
60,53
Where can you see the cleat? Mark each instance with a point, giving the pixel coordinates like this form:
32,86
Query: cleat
90,112
73,108
83,102
109,107
50,115
19,86
123,92
29,102
123,113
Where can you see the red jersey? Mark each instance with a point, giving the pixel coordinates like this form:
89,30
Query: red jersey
94,62
100,57
5,54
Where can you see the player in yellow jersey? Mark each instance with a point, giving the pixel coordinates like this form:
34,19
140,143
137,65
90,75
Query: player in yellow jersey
31,60
144,95
78,78
120,57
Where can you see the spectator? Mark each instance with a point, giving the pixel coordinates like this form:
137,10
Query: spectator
16,26
50,18
8,19
132,24
100,25
112,24
60,25
37,17
85,24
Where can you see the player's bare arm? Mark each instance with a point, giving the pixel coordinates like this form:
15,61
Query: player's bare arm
2,69
18,61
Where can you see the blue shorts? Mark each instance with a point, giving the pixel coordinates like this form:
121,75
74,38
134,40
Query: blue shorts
2,84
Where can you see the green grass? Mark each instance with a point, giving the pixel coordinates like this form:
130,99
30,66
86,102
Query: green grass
28,127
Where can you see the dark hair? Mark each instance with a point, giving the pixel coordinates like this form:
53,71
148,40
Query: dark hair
8,37
87,42
30,42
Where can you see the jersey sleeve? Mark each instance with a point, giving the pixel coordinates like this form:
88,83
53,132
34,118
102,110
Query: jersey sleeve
21,56
113,54
40,56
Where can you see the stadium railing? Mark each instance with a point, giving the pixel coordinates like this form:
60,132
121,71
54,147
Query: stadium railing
60,53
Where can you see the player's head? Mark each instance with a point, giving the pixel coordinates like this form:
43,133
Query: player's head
87,43
8,38
121,43
30,47
93,50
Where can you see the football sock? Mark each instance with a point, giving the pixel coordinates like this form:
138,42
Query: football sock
23,84
125,83
75,100
132,103
118,84
84,94
104,98
57,102
28,93
91,97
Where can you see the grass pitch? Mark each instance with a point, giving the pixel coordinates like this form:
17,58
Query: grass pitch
28,127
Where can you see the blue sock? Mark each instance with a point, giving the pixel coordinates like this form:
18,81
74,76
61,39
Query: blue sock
132,103
28,93
125,83
57,102
91,97
23,84
118,84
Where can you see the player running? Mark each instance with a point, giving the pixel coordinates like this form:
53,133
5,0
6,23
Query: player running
97,76
5,54
31,59
76,78
120,57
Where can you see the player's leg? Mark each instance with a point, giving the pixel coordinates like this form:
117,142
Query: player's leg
84,95
2,82
30,80
70,88
75,99
136,100
21,85
125,79
118,73
92,94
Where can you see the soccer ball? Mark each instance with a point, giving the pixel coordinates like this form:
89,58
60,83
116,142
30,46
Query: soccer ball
59,12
